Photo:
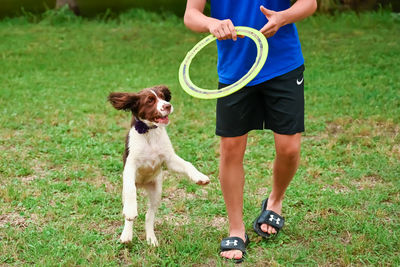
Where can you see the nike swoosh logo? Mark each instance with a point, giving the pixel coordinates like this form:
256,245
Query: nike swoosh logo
300,82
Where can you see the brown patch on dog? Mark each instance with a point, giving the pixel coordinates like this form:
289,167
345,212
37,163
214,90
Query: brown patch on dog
124,101
126,151
142,104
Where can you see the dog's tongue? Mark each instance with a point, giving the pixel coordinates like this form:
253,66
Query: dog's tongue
163,120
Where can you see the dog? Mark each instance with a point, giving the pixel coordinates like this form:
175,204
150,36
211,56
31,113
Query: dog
147,148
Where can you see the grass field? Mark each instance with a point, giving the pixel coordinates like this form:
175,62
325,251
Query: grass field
61,145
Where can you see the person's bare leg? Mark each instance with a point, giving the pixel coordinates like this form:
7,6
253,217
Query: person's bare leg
285,166
231,175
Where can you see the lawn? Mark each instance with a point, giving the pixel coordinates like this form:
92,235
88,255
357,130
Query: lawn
61,145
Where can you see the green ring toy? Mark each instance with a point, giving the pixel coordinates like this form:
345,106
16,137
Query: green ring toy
195,91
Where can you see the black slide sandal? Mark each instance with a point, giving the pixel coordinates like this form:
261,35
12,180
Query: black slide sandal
235,243
268,217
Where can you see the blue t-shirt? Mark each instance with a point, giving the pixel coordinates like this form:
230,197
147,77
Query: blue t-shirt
236,58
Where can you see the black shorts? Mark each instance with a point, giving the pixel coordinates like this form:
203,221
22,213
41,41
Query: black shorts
277,104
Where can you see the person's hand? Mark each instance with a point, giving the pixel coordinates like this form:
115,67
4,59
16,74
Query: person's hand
275,21
223,29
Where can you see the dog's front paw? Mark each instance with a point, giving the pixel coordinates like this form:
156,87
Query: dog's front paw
152,240
126,236
201,179
129,213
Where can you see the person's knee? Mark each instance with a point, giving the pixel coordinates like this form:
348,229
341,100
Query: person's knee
232,149
288,146
289,151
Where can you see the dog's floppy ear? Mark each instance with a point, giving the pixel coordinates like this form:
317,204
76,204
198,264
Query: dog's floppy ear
125,101
167,94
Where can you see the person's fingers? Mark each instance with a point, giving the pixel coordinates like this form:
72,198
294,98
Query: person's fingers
272,25
232,31
265,11
269,34
266,29
221,34
227,32
216,34
224,30
269,29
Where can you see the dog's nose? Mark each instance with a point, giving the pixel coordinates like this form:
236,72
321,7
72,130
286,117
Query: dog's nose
166,107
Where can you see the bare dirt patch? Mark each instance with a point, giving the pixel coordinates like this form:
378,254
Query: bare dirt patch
367,182
337,187
14,219
363,128
174,200
39,171
219,222
357,128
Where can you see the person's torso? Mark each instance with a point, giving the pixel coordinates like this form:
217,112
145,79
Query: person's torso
235,58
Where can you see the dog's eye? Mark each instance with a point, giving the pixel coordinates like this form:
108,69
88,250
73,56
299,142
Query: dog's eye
150,100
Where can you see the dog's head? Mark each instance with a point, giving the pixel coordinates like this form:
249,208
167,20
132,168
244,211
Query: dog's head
151,105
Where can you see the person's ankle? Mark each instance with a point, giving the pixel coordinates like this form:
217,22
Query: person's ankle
238,231
275,200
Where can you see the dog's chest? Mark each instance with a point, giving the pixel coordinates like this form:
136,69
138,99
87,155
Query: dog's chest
147,153
149,156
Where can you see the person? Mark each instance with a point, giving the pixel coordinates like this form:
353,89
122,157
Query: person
273,100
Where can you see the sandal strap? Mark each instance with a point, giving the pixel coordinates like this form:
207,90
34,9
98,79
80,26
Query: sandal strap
271,218
233,243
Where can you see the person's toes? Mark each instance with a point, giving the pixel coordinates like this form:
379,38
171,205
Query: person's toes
235,254
238,255
232,254
225,254
264,227
268,229
271,230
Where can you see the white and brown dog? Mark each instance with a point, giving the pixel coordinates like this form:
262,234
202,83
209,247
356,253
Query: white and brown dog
147,148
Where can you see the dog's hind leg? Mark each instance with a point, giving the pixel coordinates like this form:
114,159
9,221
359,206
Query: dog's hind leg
129,193
129,202
154,192
127,233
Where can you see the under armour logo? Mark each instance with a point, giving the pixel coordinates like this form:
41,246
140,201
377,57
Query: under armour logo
234,242
271,218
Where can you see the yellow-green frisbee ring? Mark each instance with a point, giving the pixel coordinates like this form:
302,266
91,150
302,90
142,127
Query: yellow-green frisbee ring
195,91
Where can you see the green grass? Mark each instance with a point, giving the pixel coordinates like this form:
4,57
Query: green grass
61,145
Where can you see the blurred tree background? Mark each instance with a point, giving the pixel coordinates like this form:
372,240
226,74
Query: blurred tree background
94,7
357,5
89,8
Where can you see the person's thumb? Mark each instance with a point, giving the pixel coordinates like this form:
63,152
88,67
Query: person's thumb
265,11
